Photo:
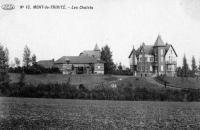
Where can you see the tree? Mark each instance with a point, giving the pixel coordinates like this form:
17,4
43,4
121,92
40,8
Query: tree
26,56
120,66
6,56
22,79
185,68
193,66
34,60
106,56
179,71
199,66
17,62
4,77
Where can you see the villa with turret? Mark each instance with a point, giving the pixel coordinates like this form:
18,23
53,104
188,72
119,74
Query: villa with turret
152,60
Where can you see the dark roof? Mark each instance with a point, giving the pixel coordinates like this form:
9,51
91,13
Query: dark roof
131,53
46,63
133,50
96,54
167,48
159,41
77,60
148,49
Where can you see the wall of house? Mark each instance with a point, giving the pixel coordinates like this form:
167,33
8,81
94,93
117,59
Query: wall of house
160,59
171,62
170,57
99,68
133,61
145,66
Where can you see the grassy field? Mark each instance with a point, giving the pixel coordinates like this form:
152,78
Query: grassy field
92,80
25,113
183,82
59,78
138,82
88,80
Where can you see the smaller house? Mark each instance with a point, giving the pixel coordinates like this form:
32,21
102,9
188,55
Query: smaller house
88,62
80,65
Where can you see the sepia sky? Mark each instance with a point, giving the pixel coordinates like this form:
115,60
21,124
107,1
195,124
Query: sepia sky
119,23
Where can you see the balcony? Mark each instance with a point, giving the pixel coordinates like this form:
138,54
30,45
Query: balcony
171,62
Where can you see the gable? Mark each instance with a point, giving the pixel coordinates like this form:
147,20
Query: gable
169,49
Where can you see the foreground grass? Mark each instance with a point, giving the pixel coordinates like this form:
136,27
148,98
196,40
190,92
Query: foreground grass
25,113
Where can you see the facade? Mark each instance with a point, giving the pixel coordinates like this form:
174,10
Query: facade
88,62
151,60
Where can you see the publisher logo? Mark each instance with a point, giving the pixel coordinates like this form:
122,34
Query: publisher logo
8,6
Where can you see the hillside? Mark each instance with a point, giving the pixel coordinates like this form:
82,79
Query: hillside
92,80
87,80
183,82
59,78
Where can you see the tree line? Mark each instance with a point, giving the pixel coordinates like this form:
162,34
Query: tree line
99,92
186,71
29,64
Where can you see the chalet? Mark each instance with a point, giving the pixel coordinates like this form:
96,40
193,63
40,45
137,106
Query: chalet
157,59
88,62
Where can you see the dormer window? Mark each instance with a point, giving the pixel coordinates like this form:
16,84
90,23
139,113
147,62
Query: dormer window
67,61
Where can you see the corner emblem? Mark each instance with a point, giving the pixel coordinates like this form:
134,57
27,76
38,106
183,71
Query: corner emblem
8,6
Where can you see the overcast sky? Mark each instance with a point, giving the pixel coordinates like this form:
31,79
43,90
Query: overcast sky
118,23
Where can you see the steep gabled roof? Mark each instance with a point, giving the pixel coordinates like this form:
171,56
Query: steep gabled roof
77,60
133,51
159,41
131,54
148,49
90,53
167,48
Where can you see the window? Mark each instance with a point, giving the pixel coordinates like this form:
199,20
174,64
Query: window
156,59
146,69
151,59
140,58
151,68
161,68
141,68
138,68
161,51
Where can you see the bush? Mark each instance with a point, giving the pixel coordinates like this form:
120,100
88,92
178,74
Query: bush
35,69
100,92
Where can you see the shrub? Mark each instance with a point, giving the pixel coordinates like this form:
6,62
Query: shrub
100,92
